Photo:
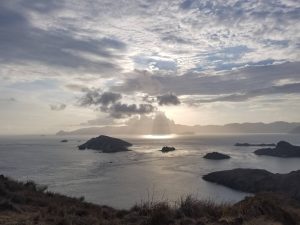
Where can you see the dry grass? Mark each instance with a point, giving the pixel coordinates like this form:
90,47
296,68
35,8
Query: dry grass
29,204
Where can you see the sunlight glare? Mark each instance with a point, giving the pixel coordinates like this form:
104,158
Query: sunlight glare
159,136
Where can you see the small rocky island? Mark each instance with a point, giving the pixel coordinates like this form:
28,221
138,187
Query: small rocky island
257,180
283,149
166,149
216,156
257,145
106,144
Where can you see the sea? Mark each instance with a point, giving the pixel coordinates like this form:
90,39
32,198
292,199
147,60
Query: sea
144,174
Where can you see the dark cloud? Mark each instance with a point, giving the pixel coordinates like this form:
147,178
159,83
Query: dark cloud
58,107
95,97
168,99
21,41
108,102
109,97
89,98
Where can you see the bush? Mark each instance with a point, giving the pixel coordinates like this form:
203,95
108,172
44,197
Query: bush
161,214
194,208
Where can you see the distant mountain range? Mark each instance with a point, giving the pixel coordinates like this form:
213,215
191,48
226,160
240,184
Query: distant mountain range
160,124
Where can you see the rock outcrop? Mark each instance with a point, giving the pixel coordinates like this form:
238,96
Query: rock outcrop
106,144
257,180
216,156
283,149
166,149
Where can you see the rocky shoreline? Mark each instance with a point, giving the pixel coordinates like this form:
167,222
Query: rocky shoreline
283,149
257,180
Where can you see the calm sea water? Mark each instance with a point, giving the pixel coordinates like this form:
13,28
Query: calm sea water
123,179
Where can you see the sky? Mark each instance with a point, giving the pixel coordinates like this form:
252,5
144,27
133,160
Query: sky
69,64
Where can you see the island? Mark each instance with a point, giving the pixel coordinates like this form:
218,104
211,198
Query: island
166,149
216,156
283,149
257,180
249,145
106,144
64,141
30,203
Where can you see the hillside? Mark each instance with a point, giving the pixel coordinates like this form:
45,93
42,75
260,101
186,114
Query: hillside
28,204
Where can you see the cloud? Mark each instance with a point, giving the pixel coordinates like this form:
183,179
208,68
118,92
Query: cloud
283,89
212,35
108,102
139,81
94,97
57,107
23,41
109,98
76,87
11,99
149,99
241,80
121,110
42,7
168,99
100,121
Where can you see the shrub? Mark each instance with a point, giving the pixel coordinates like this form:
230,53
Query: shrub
161,214
194,208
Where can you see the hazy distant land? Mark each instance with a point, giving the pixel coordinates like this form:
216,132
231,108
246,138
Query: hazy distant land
162,125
